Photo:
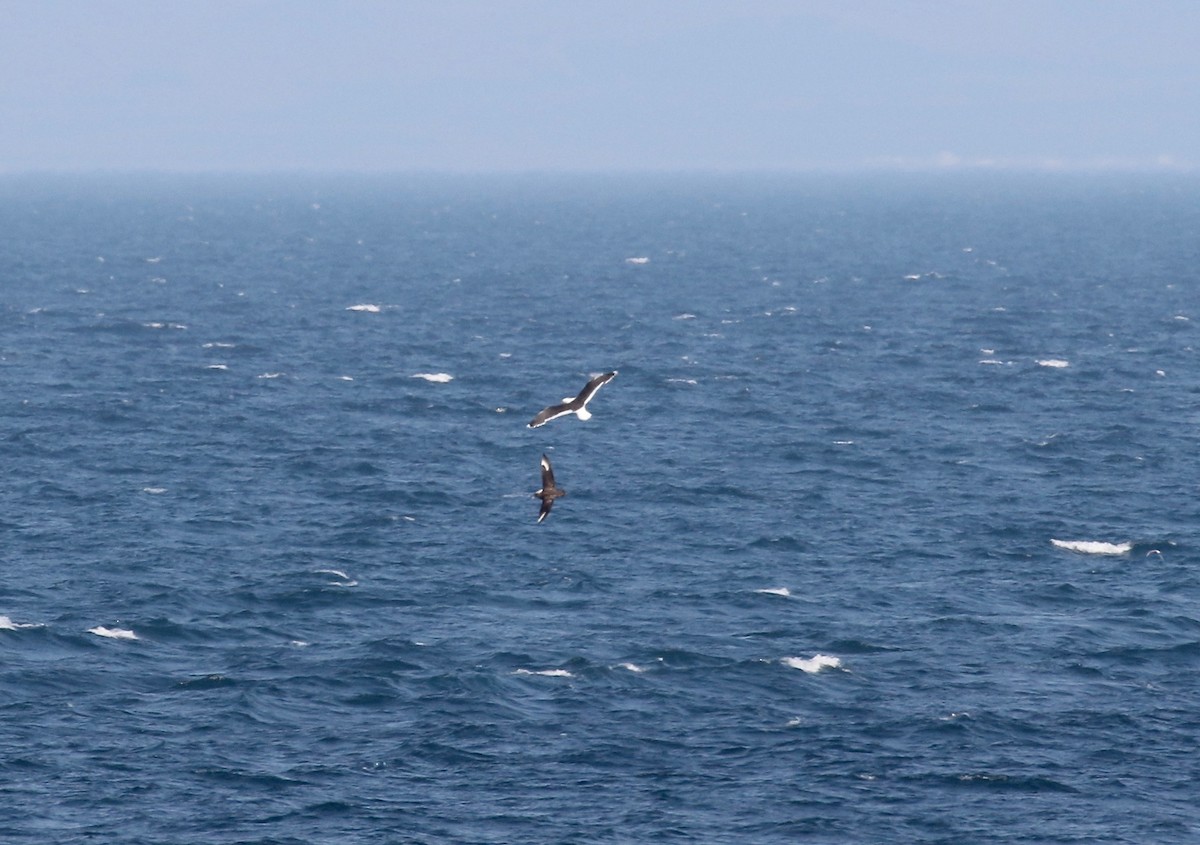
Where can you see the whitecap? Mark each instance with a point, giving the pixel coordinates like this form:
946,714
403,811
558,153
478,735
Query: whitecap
638,259
812,664
154,491
682,381
775,591
219,345
6,624
684,316
366,307
548,673
113,633
1055,363
217,367
437,378
1093,547
270,375
346,581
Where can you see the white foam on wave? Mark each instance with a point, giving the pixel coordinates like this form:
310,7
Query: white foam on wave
548,673
113,633
154,491
638,259
217,367
813,664
775,591
270,375
684,316
219,345
346,581
1053,363
6,624
631,667
436,378
366,307
1093,547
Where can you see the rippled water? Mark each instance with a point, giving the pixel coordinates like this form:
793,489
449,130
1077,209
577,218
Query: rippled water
272,571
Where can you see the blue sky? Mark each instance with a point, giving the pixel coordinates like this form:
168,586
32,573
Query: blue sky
519,85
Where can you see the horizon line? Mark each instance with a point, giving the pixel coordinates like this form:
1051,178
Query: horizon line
943,163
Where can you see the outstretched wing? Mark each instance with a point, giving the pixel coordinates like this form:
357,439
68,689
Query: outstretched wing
551,413
547,477
589,389
547,503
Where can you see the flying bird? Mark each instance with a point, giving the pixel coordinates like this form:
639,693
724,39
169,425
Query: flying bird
549,492
576,406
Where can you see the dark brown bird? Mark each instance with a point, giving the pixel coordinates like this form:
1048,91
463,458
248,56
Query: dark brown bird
549,492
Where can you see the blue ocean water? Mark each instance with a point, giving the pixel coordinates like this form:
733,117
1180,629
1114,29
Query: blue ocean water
271,570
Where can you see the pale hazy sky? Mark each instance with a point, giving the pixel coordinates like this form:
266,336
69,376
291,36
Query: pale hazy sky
597,84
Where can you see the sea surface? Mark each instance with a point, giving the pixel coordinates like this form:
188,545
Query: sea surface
888,530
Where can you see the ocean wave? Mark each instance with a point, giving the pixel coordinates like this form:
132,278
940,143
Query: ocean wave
1093,547
365,307
775,591
436,378
7,624
1053,363
158,325
813,664
113,633
346,580
547,673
